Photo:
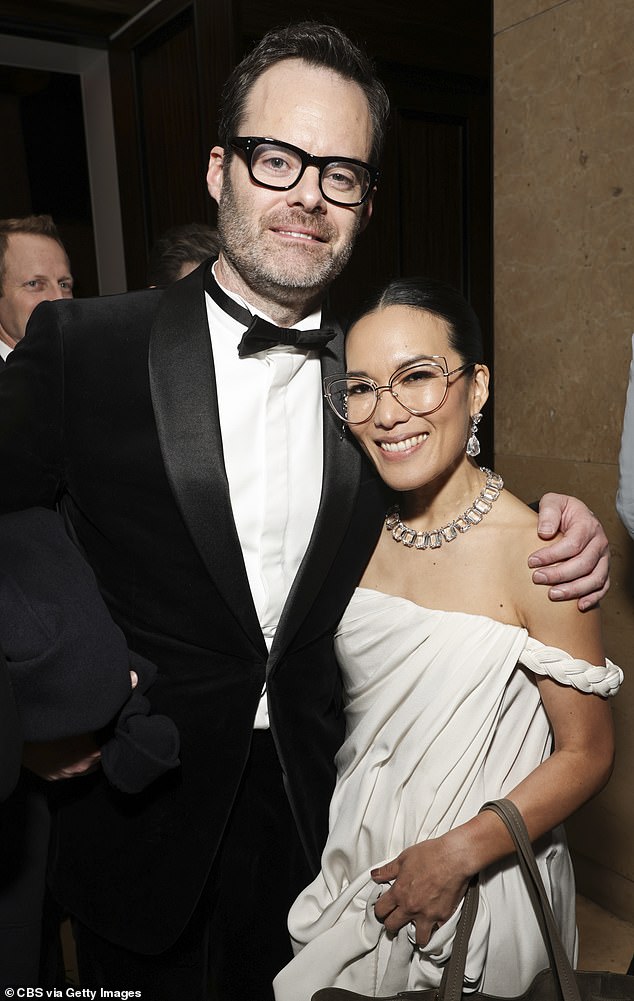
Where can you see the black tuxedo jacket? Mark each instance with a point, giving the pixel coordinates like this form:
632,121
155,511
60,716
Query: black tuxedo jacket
108,408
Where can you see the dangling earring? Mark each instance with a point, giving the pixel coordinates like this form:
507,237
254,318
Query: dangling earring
473,445
344,426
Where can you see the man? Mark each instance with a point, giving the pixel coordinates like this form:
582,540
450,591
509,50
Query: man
180,250
227,521
33,267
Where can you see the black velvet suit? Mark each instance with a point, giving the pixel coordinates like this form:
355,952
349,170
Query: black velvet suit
108,407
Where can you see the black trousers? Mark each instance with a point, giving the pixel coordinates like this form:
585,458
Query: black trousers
237,939
24,834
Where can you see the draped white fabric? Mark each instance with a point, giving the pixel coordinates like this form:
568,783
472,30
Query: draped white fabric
443,714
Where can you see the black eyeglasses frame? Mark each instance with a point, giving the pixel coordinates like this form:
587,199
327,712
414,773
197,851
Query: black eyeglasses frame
249,144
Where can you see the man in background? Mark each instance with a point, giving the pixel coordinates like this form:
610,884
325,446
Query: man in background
34,266
180,250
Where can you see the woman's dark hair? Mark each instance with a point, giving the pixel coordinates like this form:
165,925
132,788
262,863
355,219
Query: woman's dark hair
443,301
317,44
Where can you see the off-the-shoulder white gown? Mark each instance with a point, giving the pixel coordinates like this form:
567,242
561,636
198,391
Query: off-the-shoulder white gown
443,713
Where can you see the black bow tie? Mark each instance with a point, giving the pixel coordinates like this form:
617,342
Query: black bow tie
260,335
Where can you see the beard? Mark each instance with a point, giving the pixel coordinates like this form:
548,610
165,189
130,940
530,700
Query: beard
280,273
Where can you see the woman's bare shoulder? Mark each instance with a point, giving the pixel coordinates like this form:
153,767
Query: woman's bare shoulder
556,623
516,527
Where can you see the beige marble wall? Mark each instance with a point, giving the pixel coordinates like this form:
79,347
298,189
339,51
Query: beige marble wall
564,316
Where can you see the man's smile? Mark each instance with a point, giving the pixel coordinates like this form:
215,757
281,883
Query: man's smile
298,235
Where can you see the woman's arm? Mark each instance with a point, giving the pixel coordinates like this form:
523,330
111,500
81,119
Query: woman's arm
430,879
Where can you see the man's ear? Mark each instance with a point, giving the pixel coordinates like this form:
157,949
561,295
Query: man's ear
215,172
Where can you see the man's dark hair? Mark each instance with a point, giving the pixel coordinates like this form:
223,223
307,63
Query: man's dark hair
33,225
192,241
321,45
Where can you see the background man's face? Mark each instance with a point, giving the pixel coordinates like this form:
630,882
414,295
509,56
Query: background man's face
36,268
282,241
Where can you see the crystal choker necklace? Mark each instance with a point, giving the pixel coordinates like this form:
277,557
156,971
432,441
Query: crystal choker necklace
447,533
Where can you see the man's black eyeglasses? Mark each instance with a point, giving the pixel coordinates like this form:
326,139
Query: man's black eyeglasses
279,166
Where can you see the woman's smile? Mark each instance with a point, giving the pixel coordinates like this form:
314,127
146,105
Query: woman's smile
402,445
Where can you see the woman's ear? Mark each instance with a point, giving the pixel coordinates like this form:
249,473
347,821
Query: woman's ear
479,388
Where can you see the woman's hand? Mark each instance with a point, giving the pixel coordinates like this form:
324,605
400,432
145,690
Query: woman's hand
428,885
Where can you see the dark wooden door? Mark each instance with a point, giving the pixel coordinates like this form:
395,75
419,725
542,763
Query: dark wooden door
167,70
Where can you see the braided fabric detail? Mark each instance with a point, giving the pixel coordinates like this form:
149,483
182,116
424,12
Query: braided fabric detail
553,663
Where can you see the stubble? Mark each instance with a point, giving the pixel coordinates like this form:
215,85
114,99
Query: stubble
275,272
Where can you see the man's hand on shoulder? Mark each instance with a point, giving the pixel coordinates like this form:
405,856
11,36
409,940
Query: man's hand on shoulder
577,565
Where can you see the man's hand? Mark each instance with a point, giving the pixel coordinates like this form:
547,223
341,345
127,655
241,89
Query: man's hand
578,565
62,759
426,889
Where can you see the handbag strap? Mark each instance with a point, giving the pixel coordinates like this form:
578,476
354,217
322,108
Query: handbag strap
563,976
452,980
562,971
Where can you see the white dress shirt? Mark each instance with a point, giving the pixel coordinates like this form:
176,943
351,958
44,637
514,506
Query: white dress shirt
5,350
271,416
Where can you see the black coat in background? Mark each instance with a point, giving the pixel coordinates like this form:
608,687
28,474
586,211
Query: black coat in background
10,735
108,406
69,671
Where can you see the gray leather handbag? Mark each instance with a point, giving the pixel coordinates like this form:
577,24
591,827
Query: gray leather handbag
557,983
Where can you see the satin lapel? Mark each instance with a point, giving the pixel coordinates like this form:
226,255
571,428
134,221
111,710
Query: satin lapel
182,381
342,470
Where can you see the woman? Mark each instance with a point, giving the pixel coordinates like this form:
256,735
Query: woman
458,687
